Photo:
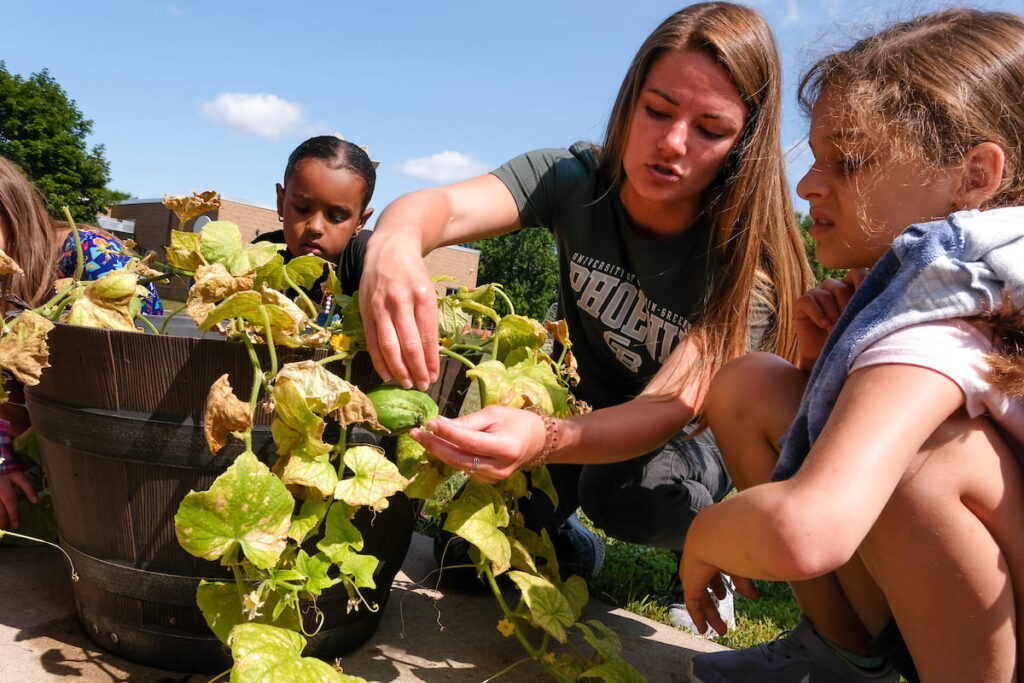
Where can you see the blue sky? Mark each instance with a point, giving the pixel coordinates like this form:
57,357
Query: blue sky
190,95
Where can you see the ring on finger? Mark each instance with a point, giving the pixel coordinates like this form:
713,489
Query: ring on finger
476,464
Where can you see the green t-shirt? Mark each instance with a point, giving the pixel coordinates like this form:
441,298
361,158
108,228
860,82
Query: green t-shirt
627,299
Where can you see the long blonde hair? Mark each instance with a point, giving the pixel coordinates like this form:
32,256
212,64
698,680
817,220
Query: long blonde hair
31,237
755,239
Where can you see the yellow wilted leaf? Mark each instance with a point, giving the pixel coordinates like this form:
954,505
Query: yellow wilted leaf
186,208
225,413
212,284
559,330
106,302
8,265
23,349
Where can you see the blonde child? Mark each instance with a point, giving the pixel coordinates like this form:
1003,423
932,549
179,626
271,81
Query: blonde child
897,492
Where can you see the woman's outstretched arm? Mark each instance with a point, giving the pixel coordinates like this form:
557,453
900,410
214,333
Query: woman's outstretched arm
396,297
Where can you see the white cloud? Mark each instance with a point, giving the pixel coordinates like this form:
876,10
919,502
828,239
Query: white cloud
443,167
262,115
174,10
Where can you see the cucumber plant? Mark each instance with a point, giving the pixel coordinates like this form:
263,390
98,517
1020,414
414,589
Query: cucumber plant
286,530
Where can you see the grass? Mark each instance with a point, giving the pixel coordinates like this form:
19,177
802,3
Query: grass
639,579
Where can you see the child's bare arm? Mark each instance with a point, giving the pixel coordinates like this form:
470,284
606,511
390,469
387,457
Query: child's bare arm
809,525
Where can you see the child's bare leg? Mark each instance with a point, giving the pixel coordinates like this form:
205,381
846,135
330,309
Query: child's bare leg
750,405
948,553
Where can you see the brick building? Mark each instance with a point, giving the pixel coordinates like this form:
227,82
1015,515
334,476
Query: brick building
154,222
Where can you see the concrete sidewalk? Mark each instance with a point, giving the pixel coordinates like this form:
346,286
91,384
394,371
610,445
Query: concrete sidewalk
424,635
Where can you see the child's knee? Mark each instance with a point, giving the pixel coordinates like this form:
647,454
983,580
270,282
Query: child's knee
758,389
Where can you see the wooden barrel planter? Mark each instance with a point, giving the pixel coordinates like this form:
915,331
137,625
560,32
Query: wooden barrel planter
119,420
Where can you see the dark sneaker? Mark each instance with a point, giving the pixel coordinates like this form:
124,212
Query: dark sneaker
579,550
797,656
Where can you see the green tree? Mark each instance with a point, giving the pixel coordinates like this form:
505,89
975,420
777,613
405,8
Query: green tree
526,264
820,271
42,130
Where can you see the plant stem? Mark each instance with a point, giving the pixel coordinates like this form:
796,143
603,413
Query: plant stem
167,318
507,669
254,393
156,278
457,356
222,674
331,359
79,256
145,321
74,573
268,337
305,297
508,302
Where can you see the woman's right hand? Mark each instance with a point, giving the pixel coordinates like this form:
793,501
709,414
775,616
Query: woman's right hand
9,497
398,305
817,311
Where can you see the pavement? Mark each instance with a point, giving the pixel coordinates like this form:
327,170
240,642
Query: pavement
424,635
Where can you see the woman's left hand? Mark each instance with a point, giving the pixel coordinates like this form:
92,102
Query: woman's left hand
489,444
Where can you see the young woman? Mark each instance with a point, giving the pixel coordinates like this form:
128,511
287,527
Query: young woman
677,249
900,465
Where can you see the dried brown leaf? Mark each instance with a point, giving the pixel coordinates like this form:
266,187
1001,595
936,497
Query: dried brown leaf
213,284
8,265
23,350
225,413
186,208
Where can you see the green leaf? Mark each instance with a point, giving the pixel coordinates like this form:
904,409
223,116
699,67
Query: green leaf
605,642
483,295
221,242
514,486
575,591
352,323
265,654
530,383
425,480
246,507
548,607
316,474
184,250
308,519
373,479
360,567
617,671
303,271
515,331
340,534
478,515
221,606
522,559
541,549
540,480
107,302
247,305
314,568
451,318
